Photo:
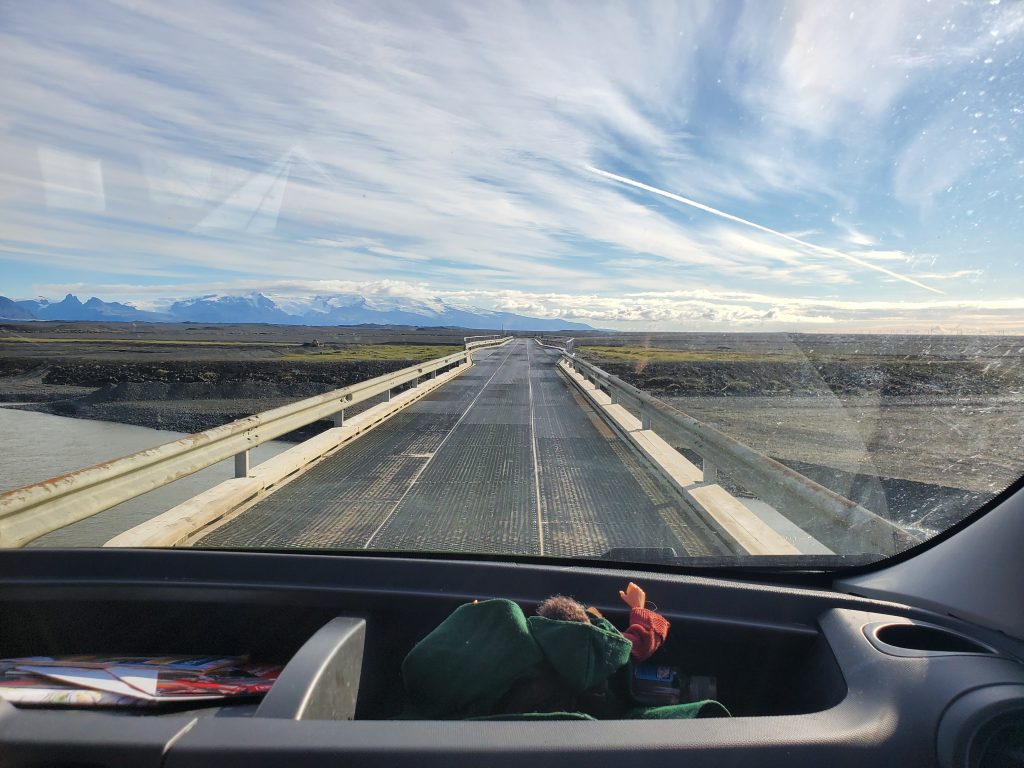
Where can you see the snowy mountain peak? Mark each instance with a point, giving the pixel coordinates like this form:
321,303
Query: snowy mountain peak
347,308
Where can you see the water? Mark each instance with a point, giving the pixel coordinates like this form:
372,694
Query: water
38,446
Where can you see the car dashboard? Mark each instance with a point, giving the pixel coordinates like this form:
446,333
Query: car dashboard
810,675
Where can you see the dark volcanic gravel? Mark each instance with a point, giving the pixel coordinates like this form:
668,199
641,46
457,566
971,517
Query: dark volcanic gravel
887,378
183,396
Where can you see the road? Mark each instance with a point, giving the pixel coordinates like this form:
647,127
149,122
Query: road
506,458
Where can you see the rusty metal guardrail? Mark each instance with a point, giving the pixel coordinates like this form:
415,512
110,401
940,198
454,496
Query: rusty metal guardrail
475,342
842,524
29,512
564,343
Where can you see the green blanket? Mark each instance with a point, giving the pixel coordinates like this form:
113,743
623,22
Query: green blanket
467,665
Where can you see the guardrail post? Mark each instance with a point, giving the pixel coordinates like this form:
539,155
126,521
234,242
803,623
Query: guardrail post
339,417
242,464
389,395
710,472
34,510
645,418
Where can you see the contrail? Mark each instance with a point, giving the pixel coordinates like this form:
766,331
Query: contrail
783,235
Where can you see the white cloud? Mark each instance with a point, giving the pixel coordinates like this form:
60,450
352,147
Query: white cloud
959,274
761,228
446,145
72,181
680,310
891,255
859,238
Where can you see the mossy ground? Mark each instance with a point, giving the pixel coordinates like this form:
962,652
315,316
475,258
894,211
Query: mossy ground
414,352
158,342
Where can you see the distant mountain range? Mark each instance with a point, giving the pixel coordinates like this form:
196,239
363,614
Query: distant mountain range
333,309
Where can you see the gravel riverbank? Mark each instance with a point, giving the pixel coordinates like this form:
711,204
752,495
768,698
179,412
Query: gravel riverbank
181,396
926,440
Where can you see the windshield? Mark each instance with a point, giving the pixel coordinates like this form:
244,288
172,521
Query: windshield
685,283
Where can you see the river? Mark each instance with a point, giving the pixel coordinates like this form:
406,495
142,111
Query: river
37,446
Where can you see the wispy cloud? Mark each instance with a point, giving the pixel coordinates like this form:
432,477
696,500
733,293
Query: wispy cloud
960,274
753,225
859,238
215,143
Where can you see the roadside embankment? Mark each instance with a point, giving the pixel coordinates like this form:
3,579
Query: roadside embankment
924,442
179,395
877,376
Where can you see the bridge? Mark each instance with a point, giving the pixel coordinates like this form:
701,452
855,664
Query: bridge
513,446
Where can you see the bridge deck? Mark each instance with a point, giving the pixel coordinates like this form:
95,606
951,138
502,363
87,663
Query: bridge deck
502,459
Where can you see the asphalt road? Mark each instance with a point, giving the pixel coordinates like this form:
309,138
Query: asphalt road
505,458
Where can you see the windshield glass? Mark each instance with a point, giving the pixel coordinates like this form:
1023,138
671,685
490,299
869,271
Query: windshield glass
654,282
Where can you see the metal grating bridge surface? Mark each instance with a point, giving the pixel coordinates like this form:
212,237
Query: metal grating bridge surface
505,458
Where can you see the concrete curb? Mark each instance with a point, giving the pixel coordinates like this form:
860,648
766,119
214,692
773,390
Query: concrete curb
750,532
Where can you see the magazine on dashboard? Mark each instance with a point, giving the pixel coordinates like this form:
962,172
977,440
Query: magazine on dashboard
107,681
92,661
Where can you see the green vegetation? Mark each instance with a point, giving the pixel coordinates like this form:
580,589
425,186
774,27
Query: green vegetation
362,352
161,342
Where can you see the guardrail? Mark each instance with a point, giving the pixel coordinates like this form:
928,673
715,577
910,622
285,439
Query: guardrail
475,342
187,522
29,512
842,524
566,344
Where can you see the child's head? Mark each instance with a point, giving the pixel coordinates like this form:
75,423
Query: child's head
563,608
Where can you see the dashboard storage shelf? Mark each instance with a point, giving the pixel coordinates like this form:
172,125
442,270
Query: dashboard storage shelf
794,665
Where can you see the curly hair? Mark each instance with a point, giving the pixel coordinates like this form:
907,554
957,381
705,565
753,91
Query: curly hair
563,608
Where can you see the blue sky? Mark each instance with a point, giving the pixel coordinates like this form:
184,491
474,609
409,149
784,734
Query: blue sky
483,152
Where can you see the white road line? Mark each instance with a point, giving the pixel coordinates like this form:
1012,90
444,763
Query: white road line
437,450
533,441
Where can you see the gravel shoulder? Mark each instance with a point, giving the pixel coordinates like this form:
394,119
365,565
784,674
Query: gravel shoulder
924,462
974,443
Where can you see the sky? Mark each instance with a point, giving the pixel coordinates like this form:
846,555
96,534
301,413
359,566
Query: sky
762,166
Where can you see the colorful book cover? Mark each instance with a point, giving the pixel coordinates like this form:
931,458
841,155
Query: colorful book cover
129,685
183,663
233,682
